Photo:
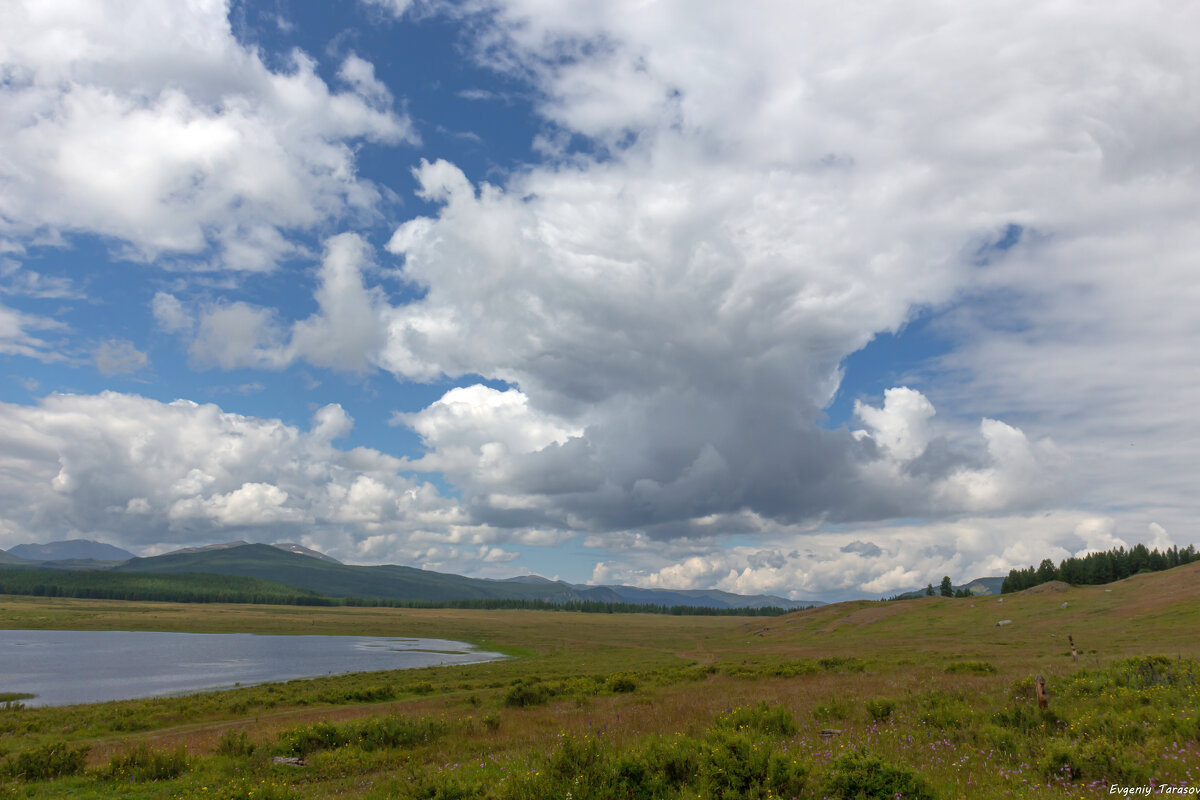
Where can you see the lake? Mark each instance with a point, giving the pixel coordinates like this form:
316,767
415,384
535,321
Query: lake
66,667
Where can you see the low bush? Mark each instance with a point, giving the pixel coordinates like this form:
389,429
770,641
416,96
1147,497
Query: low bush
621,682
523,694
971,667
879,710
738,766
1087,762
368,694
857,776
249,788
943,711
373,733
144,764
588,769
1029,719
235,744
45,762
833,711
761,718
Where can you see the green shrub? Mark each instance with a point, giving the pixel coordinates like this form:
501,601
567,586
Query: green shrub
1095,760
235,744
792,669
857,776
760,717
1022,691
247,788
437,786
621,683
944,711
975,667
1003,740
832,711
588,769
880,710
575,756
369,694
45,762
523,694
738,766
675,761
375,733
143,764
692,672
842,664
1029,719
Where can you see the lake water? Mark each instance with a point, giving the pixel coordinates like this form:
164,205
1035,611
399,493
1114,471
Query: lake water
66,667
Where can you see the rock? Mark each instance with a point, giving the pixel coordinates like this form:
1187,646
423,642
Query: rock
1064,605
829,733
289,761
1003,622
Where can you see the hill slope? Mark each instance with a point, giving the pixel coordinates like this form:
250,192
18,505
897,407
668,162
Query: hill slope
1162,608
9,558
343,580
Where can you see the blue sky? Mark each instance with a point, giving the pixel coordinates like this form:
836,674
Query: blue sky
769,299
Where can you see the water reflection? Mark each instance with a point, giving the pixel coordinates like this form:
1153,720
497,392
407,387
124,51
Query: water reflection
65,667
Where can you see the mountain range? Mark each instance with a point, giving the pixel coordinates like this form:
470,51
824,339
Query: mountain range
297,566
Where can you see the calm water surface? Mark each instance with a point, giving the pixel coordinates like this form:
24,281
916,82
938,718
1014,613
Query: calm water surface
65,667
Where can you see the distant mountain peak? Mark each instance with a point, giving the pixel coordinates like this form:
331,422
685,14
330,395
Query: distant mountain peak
528,579
301,550
287,547
70,549
206,547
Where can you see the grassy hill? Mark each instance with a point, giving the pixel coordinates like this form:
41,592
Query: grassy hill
343,580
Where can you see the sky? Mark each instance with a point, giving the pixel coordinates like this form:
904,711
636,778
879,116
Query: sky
815,300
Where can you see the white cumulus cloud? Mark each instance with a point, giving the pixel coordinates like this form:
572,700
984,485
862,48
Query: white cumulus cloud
153,125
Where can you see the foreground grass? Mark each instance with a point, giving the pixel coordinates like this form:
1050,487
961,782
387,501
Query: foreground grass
925,698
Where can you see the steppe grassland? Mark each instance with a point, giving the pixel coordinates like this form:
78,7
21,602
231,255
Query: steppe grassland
620,705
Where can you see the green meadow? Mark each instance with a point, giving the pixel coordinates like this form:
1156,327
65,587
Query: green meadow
921,698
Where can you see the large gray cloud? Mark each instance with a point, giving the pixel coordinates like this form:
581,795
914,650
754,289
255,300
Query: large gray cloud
763,190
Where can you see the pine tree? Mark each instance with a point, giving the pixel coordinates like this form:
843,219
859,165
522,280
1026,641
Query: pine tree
947,587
